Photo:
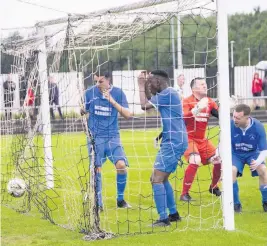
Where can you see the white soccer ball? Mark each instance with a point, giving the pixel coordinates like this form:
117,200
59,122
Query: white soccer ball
16,187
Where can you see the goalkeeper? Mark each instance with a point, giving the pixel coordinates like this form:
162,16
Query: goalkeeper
249,146
197,110
103,102
174,139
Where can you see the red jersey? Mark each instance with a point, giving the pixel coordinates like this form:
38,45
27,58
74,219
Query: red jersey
256,85
30,97
196,126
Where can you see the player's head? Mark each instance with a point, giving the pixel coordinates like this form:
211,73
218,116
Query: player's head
103,81
157,81
199,87
180,80
241,115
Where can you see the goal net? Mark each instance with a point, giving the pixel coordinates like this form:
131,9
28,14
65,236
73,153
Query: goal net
44,142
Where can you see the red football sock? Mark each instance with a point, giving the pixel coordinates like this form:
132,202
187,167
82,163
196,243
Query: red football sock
189,176
216,175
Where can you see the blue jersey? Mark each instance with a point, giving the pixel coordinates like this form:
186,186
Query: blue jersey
250,140
168,103
103,117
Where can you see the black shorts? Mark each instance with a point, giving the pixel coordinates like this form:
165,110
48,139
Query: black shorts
257,94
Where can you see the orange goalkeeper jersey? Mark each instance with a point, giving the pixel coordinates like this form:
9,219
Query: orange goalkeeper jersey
196,126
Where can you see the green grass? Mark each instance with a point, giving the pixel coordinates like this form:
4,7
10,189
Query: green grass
202,219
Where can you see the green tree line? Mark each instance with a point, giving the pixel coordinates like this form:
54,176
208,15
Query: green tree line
153,49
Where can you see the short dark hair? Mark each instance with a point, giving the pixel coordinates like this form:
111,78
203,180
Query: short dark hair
194,81
107,75
161,73
243,108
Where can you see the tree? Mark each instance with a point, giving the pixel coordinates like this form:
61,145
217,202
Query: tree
6,59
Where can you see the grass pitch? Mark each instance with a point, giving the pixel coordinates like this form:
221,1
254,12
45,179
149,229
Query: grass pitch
202,219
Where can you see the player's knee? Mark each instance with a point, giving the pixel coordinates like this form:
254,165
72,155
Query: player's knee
158,177
195,159
121,166
155,179
234,172
261,170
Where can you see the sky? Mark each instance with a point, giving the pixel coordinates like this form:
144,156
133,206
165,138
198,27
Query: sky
18,13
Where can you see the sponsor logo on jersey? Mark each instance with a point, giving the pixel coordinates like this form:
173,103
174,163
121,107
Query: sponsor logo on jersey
202,117
104,111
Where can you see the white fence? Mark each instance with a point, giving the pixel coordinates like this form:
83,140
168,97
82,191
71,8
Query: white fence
243,82
189,74
127,80
70,97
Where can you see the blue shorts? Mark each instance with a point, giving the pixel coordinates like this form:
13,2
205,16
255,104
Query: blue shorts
168,157
239,161
110,148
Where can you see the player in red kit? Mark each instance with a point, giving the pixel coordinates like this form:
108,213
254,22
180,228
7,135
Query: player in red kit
197,110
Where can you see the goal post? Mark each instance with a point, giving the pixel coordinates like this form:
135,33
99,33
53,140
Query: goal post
224,116
188,37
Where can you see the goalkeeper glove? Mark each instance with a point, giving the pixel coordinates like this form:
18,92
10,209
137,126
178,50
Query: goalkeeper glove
203,103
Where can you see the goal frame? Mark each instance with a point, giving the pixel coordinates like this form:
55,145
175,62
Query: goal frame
223,88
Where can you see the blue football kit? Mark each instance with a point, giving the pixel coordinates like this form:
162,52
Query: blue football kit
246,147
174,137
103,124
104,129
247,144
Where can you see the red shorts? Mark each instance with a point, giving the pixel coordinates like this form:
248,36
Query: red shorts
203,147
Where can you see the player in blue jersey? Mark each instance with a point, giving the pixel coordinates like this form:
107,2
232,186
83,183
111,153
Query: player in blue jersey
249,146
154,92
103,102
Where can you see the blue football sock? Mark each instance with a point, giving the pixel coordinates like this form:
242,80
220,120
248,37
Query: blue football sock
99,189
263,189
121,184
160,200
170,197
236,193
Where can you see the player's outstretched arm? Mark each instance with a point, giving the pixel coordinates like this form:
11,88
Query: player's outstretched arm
262,147
143,92
261,158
